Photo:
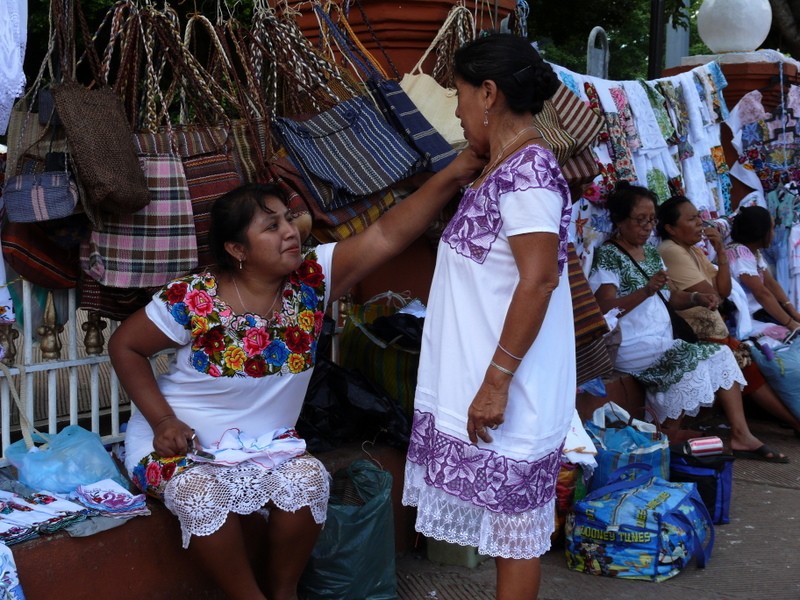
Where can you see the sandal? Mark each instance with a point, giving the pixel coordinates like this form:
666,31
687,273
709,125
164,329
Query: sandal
764,453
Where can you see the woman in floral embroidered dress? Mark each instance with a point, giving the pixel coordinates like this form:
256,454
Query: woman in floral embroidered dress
214,437
680,377
496,384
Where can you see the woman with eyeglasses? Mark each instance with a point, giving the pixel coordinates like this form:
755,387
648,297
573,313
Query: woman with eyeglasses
679,377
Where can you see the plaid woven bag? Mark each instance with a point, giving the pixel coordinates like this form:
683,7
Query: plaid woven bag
346,152
152,246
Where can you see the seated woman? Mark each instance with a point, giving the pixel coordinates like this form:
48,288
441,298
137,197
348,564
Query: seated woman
681,229
751,231
680,377
214,436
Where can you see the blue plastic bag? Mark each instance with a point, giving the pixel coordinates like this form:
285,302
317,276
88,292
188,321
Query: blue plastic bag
782,372
72,457
621,440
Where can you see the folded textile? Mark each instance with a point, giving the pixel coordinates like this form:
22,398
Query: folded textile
268,450
10,587
108,498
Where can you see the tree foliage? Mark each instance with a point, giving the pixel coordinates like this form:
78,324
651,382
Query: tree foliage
785,33
562,29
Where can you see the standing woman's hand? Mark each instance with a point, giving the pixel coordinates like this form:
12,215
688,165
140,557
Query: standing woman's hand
486,412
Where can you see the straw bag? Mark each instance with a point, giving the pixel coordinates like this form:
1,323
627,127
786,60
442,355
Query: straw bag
436,102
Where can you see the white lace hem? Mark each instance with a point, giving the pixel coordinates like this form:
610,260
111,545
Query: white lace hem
696,388
444,517
202,496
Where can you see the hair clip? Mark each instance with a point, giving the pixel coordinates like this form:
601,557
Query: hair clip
523,74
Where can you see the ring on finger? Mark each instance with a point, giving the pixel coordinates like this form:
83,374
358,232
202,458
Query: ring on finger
495,426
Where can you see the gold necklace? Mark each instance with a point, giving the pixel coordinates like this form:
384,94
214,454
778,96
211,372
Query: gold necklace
496,161
241,302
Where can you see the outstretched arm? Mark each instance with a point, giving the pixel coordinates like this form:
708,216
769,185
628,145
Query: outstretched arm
136,339
355,257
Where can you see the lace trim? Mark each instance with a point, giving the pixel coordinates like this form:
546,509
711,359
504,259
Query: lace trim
443,517
697,387
202,497
479,476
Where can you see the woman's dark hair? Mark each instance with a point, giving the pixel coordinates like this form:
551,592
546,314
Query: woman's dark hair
513,64
232,213
621,201
751,224
668,214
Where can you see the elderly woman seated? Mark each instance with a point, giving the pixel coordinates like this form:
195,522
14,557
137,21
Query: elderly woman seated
680,377
681,229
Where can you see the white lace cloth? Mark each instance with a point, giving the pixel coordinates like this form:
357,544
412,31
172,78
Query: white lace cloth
697,387
202,497
13,35
445,517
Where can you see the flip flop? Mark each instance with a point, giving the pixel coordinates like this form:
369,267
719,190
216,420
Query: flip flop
764,453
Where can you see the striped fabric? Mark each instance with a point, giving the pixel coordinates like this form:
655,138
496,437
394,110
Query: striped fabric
571,129
207,155
346,152
208,176
40,197
403,114
251,146
342,231
152,246
593,359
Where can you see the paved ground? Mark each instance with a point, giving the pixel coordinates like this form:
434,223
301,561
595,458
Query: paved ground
756,555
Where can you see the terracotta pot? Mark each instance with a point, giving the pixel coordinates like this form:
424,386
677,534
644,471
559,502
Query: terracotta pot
405,28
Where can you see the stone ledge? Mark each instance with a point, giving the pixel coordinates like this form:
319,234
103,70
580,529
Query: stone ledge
143,558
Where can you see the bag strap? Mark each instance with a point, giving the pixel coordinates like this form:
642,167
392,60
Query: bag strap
26,427
458,11
641,270
617,483
701,552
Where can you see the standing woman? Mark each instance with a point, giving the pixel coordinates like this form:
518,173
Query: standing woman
214,436
496,384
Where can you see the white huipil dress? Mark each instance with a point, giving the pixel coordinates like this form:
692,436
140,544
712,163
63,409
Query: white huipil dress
497,496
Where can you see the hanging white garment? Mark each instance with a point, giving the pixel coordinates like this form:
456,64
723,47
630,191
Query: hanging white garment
13,36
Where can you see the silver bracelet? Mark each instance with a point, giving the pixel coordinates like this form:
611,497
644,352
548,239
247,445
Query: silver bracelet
499,345
694,298
501,369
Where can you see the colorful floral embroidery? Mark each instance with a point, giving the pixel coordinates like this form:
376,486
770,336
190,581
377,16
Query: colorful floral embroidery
225,344
152,474
480,476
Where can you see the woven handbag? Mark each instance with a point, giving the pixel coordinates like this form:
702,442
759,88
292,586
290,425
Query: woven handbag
349,151
436,102
571,129
44,196
153,245
397,108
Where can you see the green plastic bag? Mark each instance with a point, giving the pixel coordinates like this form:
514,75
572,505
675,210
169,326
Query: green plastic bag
354,557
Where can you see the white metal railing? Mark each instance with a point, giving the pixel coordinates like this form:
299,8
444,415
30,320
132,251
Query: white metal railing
75,388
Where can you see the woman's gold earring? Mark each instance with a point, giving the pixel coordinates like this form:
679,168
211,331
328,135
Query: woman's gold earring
485,117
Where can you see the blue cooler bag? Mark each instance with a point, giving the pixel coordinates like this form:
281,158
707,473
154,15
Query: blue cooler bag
713,476
639,527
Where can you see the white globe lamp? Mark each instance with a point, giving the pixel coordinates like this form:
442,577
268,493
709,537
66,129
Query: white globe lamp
734,25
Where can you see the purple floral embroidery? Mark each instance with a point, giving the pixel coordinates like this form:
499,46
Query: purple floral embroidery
479,476
477,222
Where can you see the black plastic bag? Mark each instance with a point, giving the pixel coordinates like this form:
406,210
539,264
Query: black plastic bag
342,406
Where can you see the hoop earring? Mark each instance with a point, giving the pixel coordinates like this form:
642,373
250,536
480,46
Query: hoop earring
485,117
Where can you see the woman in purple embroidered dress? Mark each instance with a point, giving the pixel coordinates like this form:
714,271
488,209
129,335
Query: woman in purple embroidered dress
496,385
213,437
